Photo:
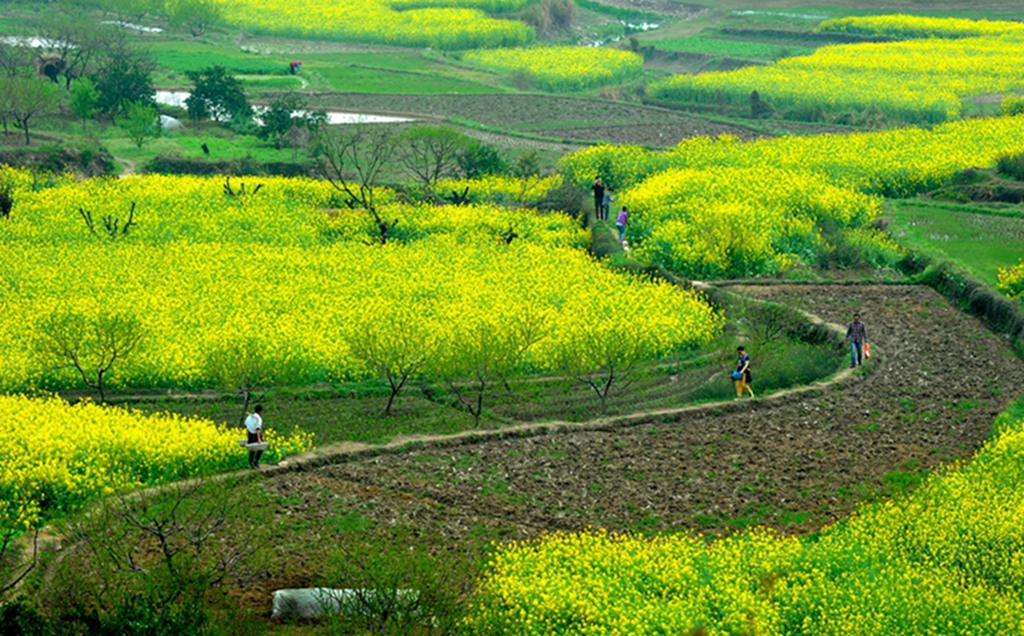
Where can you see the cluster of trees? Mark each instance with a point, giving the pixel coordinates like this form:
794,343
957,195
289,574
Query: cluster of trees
90,66
93,61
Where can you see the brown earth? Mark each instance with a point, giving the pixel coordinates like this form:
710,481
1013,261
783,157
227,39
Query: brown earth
569,119
794,462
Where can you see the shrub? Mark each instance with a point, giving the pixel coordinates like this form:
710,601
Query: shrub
1011,166
1012,105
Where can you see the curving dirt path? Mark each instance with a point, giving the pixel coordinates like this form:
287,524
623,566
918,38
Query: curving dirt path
794,462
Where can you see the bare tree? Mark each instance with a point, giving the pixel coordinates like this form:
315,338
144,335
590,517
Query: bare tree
113,226
72,44
131,10
194,16
352,158
92,346
431,153
24,98
168,545
16,515
14,59
244,367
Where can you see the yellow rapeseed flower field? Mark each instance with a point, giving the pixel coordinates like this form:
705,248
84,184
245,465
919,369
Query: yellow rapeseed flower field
763,201
281,272
945,560
1011,280
442,24
562,68
914,81
914,26
54,456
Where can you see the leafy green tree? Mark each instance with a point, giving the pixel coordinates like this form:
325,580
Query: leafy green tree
24,98
14,59
194,16
124,78
480,159
602,355
85,98
140,122
216,95
286,112
431,153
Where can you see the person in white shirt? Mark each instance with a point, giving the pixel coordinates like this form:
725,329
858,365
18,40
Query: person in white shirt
254,425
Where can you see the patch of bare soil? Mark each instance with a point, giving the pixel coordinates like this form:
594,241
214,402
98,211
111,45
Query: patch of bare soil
566,118
794,462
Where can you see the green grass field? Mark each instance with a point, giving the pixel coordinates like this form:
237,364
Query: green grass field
393,72
731,48
979,240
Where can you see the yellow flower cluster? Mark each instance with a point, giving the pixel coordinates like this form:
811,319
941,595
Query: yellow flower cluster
1011,280
730,222
501,189
914,81
442,24
56,456
562,68
490,6
913,26
945,560
715,207
303,283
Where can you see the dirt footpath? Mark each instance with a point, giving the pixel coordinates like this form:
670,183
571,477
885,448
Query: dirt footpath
794,463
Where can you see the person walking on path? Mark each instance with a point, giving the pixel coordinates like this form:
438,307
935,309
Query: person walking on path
620,223
598,189
741,376
856,335
606,204
254,427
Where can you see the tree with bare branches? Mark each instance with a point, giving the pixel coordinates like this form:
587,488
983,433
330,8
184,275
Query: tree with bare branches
25,98
244,367
485,353
352,159
90,345
431,153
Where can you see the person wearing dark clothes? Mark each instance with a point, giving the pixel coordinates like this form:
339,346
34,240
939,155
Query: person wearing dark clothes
856,335
598,189
741,376
606,204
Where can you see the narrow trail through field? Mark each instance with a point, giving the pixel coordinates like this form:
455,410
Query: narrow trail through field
795,461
